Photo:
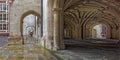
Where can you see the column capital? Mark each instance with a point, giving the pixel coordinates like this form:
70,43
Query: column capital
56,9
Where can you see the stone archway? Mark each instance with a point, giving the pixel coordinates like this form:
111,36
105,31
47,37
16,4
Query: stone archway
37,23
107,31
110,32
99,31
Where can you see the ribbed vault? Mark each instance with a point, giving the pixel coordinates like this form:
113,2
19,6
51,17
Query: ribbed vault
79,15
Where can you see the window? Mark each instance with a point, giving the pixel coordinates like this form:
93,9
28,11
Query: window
4,7
4,16
0,26
0,7
4,27
0,16
7,17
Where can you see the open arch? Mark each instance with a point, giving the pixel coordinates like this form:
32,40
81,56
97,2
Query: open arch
110,32
99,31
37,23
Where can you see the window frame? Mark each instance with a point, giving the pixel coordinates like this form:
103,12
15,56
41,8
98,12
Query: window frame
4,17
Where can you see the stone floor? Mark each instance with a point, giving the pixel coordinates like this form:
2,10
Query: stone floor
86,50
3,41
90,53
31,50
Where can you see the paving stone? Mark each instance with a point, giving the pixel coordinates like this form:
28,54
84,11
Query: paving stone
28,51
80,53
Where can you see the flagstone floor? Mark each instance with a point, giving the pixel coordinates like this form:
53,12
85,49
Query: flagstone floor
31,50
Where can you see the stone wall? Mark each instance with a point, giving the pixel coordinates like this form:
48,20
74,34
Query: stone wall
17,9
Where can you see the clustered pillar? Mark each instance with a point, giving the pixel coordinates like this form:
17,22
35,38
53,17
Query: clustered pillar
56,15
51,24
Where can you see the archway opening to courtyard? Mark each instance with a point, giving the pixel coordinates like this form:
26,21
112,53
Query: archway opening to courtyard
30,26
99,31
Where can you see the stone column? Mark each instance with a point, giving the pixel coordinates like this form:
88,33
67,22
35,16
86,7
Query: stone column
47,24
62,46
56,29
113,33
119,32
56,11
76,32
80,33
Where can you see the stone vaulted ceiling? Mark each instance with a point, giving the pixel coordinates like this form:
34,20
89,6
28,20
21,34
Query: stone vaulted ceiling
104,3
79,12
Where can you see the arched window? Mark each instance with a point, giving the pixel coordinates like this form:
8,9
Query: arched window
4,16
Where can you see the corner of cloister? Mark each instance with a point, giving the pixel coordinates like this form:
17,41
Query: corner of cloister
69,27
